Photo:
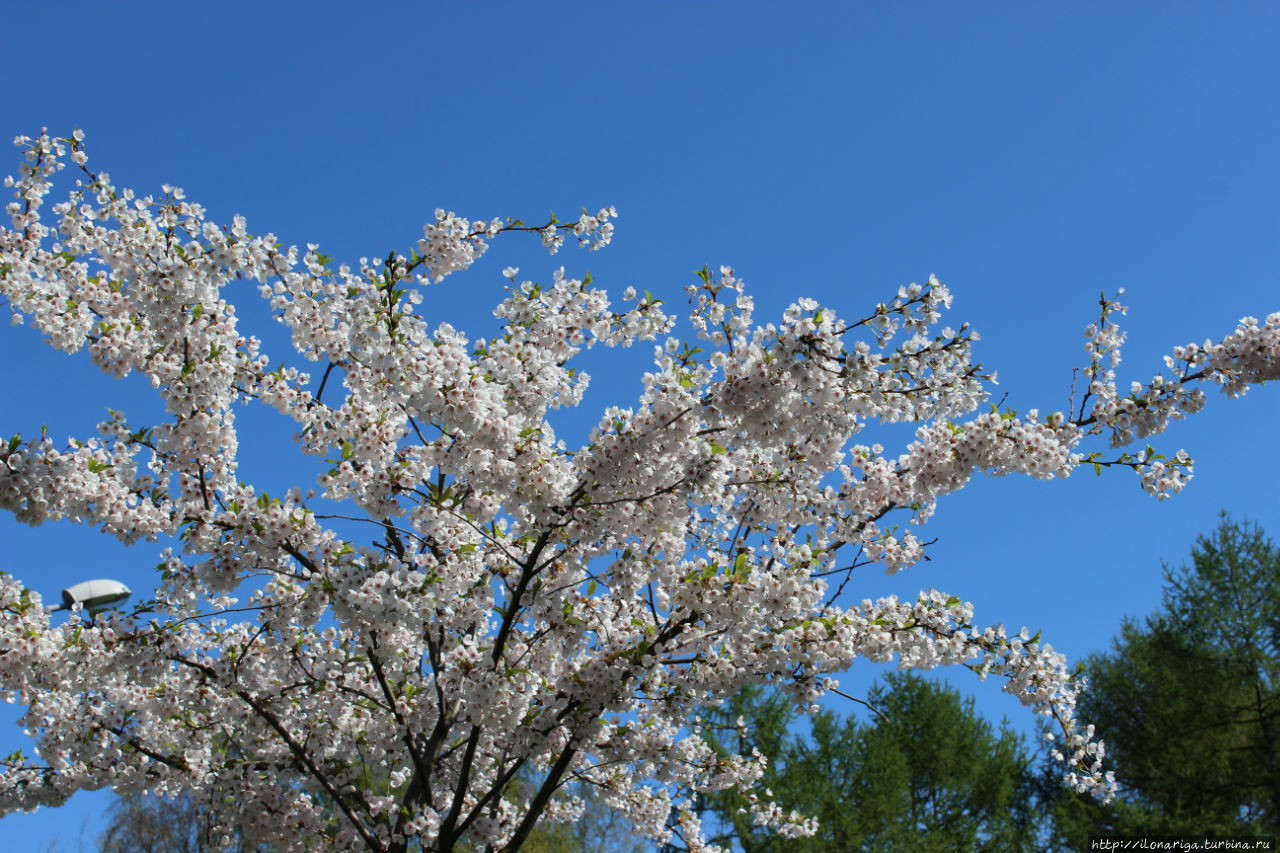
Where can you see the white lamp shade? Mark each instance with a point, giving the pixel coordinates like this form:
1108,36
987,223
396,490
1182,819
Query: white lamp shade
95,593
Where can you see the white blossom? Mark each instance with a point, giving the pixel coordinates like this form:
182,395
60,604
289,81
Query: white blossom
517,605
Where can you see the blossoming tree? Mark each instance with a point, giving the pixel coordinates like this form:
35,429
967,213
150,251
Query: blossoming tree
522,614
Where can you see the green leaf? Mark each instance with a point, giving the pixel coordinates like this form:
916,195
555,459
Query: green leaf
74,639
591,587
197,310
740,565
717,448
952,601
567,610
347,450
15,442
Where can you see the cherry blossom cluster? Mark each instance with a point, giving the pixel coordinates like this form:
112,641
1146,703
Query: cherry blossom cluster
462,618
1243,358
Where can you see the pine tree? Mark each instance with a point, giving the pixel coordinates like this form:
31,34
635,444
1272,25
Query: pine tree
1187,702
926,774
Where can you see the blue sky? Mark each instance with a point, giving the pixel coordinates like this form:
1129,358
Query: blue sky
1030,155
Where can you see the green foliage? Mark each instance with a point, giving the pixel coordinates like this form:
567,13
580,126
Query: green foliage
145,823
928,774
599,829
1188,703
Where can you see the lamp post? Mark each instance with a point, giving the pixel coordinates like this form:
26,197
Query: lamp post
92,595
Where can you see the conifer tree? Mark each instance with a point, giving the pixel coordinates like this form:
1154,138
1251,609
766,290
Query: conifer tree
1187,702
926,773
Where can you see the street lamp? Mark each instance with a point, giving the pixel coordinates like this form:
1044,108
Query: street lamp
92,595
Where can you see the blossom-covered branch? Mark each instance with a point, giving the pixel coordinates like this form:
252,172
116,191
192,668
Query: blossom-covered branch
520,611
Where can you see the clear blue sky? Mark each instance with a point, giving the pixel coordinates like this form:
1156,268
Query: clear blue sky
1030,155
